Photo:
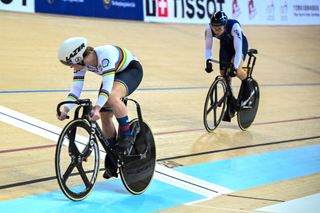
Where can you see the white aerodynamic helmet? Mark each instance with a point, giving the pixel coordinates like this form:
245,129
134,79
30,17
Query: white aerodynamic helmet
71,50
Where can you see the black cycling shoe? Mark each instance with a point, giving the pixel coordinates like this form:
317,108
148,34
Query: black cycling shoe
229,113
232,112
110,171
226,117
124,143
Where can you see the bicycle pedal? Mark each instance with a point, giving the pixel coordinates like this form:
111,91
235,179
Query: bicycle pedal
120,163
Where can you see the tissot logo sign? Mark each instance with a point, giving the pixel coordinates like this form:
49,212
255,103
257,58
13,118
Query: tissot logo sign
156,8
163,8
187,11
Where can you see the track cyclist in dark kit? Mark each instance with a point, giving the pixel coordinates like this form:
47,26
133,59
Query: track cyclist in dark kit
233,48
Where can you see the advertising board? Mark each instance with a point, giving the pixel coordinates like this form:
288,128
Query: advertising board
247,12
17,5
118,9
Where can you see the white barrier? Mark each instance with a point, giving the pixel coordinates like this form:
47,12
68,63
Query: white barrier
18,5
247,12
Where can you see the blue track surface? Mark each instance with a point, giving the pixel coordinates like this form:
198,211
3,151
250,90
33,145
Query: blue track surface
255,170
236,174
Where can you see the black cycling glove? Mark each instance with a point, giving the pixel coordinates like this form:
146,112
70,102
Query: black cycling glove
233,71
208,68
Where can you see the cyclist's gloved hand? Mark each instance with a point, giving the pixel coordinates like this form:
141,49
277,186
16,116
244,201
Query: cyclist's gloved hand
208,68
64,114
233,71
95,113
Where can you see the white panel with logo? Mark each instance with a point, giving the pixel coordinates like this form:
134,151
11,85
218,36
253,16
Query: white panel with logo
247,12
179,11
17,5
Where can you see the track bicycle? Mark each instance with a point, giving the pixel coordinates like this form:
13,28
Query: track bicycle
221,99
77,156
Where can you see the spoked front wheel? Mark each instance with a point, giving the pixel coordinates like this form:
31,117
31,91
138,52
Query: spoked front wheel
215,105
138,169
246,116
77,160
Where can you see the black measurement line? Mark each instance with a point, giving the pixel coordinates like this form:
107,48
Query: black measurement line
239,147
170,158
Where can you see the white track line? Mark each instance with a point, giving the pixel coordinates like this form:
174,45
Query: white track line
163,174
190,183
29,124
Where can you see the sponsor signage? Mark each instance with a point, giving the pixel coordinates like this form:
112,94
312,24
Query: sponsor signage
183,11
118,9
276,12
17,5
247,12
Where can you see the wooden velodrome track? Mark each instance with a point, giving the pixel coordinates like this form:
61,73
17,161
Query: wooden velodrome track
172,95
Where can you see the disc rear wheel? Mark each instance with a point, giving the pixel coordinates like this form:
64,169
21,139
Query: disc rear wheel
246,116
137,172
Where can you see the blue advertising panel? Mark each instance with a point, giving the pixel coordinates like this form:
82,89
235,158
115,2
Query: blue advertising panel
117,9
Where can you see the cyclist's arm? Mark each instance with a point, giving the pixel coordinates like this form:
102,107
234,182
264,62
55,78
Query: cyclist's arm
208,43
77,85
112,62
237,43
107,84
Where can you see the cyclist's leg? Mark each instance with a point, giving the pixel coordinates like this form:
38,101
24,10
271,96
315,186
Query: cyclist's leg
247,83
225,56
226,53
108,127
125,83
248,87
109,130
241,74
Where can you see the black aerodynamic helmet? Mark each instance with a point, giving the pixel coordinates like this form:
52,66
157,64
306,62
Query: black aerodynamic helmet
219,18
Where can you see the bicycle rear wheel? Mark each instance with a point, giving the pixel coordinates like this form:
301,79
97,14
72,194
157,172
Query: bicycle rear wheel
77,160
137,172
215,105
246,116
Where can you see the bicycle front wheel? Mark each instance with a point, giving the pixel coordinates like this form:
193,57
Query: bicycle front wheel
137,172
77,160
215,105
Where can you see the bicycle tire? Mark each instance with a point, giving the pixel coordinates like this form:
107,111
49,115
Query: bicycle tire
75,150
245,117
136,175
216,103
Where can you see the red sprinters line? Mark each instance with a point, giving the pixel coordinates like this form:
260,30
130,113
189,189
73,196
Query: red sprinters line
164,133
27,148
